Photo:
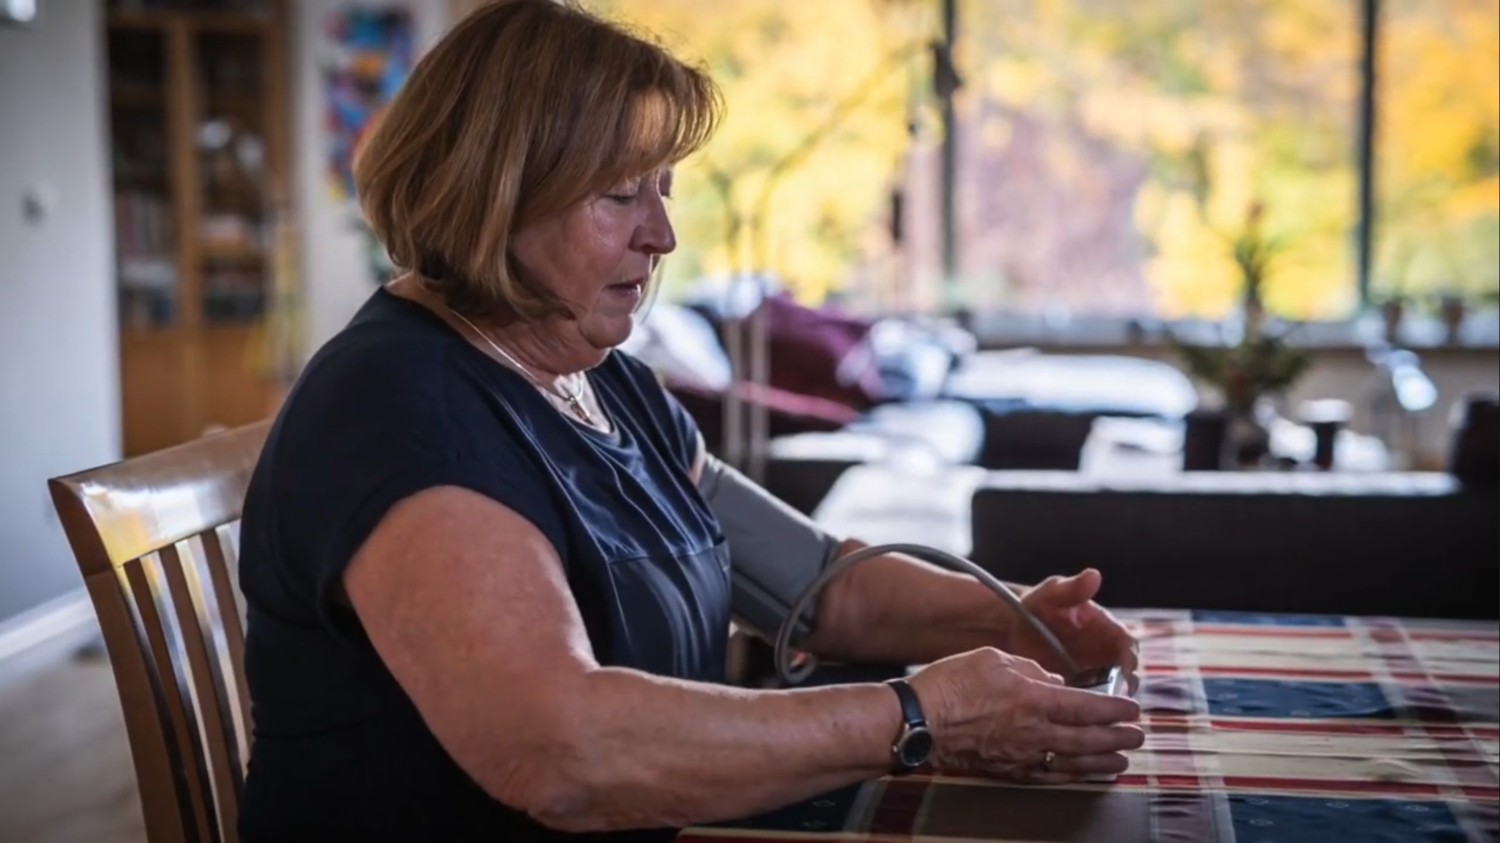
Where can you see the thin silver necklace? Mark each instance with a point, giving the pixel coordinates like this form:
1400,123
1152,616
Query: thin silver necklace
573,397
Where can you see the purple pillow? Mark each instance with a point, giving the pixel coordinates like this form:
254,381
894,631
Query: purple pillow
822,353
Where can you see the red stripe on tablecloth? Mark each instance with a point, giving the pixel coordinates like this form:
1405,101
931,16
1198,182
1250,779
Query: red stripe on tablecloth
1383,788
1179,781
899,806
1167,722
1316,727
1262,784
1284,672
1165,669
1413,677
728,834
1327,674
740,836
1450,635
1336,727
1257,631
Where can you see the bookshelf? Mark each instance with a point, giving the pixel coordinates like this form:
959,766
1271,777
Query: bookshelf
199,113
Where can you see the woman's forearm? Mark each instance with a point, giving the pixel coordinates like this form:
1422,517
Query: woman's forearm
635,750
896,609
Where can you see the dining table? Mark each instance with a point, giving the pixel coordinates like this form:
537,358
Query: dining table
1259,728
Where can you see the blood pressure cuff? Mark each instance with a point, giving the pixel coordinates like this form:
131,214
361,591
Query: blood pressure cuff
776,552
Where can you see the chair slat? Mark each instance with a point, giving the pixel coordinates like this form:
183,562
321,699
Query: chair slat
220,558
153,604
211,693
141,700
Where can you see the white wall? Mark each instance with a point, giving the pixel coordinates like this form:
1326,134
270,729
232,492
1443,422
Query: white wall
335,276
59,369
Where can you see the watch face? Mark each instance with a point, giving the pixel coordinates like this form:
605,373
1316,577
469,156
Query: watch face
916,747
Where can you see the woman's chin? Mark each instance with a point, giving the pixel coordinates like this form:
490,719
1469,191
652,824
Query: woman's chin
608,331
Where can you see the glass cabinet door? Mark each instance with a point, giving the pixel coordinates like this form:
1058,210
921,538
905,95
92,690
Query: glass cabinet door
146,228
233,244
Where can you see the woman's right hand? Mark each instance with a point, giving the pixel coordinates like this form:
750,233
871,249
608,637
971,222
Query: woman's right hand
1000,715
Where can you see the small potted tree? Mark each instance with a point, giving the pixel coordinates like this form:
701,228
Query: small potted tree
1260,365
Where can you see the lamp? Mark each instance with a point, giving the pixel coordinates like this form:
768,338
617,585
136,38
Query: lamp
18,12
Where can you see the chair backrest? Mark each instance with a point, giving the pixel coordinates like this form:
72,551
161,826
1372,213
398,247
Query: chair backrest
156,538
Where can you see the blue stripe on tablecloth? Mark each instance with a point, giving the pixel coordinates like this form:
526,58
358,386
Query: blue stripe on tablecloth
1261,619
1296,699
1288,818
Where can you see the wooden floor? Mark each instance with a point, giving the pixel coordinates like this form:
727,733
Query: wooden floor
65,771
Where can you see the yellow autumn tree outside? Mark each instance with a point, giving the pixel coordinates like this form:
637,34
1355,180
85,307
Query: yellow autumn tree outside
1108,152
1189,113
834,72
1439,134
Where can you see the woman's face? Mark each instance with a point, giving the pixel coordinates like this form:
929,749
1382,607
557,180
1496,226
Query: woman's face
599,256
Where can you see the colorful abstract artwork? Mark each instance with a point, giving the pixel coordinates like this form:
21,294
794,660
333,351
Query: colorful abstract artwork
370,52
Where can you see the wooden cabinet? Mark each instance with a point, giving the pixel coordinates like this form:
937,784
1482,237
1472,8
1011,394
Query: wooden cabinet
199,115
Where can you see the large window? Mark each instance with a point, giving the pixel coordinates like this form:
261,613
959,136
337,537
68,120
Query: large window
1112,152
1107,153
1437,226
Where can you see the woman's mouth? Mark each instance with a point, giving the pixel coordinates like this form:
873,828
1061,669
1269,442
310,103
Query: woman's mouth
631,290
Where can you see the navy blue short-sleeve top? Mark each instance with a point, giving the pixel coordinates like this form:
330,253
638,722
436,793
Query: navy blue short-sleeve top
396,403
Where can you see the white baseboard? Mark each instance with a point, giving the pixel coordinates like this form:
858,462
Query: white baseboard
50,620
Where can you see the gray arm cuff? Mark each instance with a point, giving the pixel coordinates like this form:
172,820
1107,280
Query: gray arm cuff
775,551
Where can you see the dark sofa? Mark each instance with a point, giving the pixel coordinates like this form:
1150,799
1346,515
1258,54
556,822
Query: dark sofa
1415,545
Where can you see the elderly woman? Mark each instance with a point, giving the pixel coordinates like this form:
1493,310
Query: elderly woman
487,560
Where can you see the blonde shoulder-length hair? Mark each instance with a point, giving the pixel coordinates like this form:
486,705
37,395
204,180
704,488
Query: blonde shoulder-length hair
524,109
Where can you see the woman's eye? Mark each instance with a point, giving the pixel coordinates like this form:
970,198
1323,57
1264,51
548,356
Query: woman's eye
625,193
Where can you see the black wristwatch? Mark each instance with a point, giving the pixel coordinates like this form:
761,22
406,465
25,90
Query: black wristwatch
913,745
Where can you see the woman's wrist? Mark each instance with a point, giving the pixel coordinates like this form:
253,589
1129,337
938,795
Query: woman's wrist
1009,622
875,727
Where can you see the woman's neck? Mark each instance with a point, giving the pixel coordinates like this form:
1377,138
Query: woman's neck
517,345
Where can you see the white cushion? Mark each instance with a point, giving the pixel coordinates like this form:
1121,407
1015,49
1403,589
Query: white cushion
682,346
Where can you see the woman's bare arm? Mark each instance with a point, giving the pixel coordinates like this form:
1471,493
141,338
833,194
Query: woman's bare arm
895,609
467,603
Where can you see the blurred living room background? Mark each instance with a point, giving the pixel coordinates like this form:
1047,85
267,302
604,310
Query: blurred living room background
967,272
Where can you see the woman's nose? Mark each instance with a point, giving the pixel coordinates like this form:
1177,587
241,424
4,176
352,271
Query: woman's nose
656,236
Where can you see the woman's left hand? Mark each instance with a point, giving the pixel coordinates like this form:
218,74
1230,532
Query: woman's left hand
1091,635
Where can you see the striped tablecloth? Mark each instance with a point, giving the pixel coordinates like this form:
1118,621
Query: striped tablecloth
1260,728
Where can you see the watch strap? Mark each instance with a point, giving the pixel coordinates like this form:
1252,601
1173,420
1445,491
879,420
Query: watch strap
913,722
911,707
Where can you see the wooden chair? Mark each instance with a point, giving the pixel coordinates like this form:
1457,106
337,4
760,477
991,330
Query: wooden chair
157,541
